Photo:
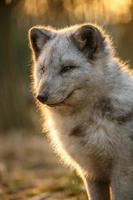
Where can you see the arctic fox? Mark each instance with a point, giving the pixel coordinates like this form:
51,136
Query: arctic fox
85,95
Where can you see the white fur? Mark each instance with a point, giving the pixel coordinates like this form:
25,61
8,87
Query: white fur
103,150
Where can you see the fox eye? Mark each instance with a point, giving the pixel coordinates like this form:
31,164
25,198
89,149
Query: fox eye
67,68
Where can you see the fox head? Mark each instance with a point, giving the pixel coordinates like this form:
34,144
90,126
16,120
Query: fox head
68,63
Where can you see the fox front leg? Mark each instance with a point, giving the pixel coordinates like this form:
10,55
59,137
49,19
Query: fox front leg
97,190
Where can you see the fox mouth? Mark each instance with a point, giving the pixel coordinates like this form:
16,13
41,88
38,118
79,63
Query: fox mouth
61,103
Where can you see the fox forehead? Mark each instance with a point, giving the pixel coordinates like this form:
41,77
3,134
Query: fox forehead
60,50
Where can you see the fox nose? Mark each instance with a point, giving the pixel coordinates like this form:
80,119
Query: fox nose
42,97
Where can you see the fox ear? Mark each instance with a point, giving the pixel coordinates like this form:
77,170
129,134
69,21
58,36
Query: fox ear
88,39
38,37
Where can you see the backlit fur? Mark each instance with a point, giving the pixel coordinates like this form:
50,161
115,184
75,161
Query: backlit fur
89,112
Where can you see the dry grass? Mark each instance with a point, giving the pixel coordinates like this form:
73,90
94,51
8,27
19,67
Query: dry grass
29,170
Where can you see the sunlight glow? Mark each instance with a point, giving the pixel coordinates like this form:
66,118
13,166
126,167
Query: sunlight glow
8,1
35,7
119,9
112,11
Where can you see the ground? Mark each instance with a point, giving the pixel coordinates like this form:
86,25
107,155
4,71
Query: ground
30,170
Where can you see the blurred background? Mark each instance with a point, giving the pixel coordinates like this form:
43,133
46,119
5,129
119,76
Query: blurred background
17,16
17,110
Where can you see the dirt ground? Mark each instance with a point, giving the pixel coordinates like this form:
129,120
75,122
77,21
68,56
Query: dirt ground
29,170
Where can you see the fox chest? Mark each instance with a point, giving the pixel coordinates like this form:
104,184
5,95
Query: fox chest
89,146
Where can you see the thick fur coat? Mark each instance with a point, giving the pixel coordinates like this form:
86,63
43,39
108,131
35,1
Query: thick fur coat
86,97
